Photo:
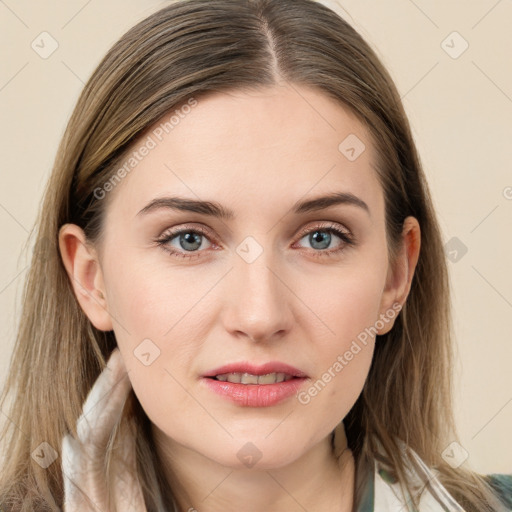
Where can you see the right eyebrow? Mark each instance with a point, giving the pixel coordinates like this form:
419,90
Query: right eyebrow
189,205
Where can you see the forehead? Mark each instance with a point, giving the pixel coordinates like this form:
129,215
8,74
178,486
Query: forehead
252,148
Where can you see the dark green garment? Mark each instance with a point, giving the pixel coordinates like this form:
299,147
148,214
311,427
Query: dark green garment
502,484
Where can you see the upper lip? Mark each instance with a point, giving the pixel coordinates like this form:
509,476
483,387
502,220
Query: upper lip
262,369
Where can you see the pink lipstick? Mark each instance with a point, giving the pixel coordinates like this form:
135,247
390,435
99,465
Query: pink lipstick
252,385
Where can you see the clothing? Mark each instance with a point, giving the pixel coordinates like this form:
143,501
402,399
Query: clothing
381,495
379,490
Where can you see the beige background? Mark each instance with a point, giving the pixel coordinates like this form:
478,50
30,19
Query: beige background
460,109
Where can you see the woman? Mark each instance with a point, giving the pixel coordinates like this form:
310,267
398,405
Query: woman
237,222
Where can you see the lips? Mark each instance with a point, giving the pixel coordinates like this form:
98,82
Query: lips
250,385
257,370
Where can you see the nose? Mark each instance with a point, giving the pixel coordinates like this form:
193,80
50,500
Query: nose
259,300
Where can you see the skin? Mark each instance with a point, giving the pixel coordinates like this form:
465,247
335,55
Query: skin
256,153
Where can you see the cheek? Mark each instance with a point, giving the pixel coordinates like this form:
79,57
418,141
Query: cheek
153,301
343,305
346,311
157,324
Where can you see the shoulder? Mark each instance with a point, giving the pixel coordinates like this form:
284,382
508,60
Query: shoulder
502,484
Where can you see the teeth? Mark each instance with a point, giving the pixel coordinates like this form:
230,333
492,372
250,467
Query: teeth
270,378
247,378
234,377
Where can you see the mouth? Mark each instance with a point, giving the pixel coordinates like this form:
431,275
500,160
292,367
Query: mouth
248,378
255,386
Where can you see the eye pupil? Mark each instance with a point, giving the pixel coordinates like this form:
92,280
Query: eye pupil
322,235
190,238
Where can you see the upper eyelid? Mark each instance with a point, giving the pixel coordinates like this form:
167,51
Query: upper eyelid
322,225
326,224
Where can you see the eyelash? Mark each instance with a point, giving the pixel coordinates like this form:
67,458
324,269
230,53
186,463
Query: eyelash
347,240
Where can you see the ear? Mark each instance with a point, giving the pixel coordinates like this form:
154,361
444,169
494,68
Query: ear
399,278
82,266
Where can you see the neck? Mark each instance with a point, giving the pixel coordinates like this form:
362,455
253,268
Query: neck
318,481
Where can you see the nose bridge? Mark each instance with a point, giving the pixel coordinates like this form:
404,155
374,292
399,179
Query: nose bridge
258,305
253,268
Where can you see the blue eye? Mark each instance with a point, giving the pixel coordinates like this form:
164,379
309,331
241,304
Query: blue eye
320,237
190,241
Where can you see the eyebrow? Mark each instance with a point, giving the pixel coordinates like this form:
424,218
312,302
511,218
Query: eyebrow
215,209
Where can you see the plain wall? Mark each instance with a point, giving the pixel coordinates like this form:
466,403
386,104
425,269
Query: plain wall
460,108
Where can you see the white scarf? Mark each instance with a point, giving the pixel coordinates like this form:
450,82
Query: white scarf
388,496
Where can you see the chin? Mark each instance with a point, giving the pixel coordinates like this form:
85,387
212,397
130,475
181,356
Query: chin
258,455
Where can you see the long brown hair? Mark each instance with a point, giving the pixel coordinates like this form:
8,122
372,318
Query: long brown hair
185,50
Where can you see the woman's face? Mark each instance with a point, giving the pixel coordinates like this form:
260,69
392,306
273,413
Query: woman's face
267,283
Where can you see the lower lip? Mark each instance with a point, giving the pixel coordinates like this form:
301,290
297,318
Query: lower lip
255,395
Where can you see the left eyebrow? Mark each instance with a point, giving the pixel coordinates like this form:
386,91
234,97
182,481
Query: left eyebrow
214,209
323,202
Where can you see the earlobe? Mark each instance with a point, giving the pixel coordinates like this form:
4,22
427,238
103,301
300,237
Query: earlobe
399,278
85,275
